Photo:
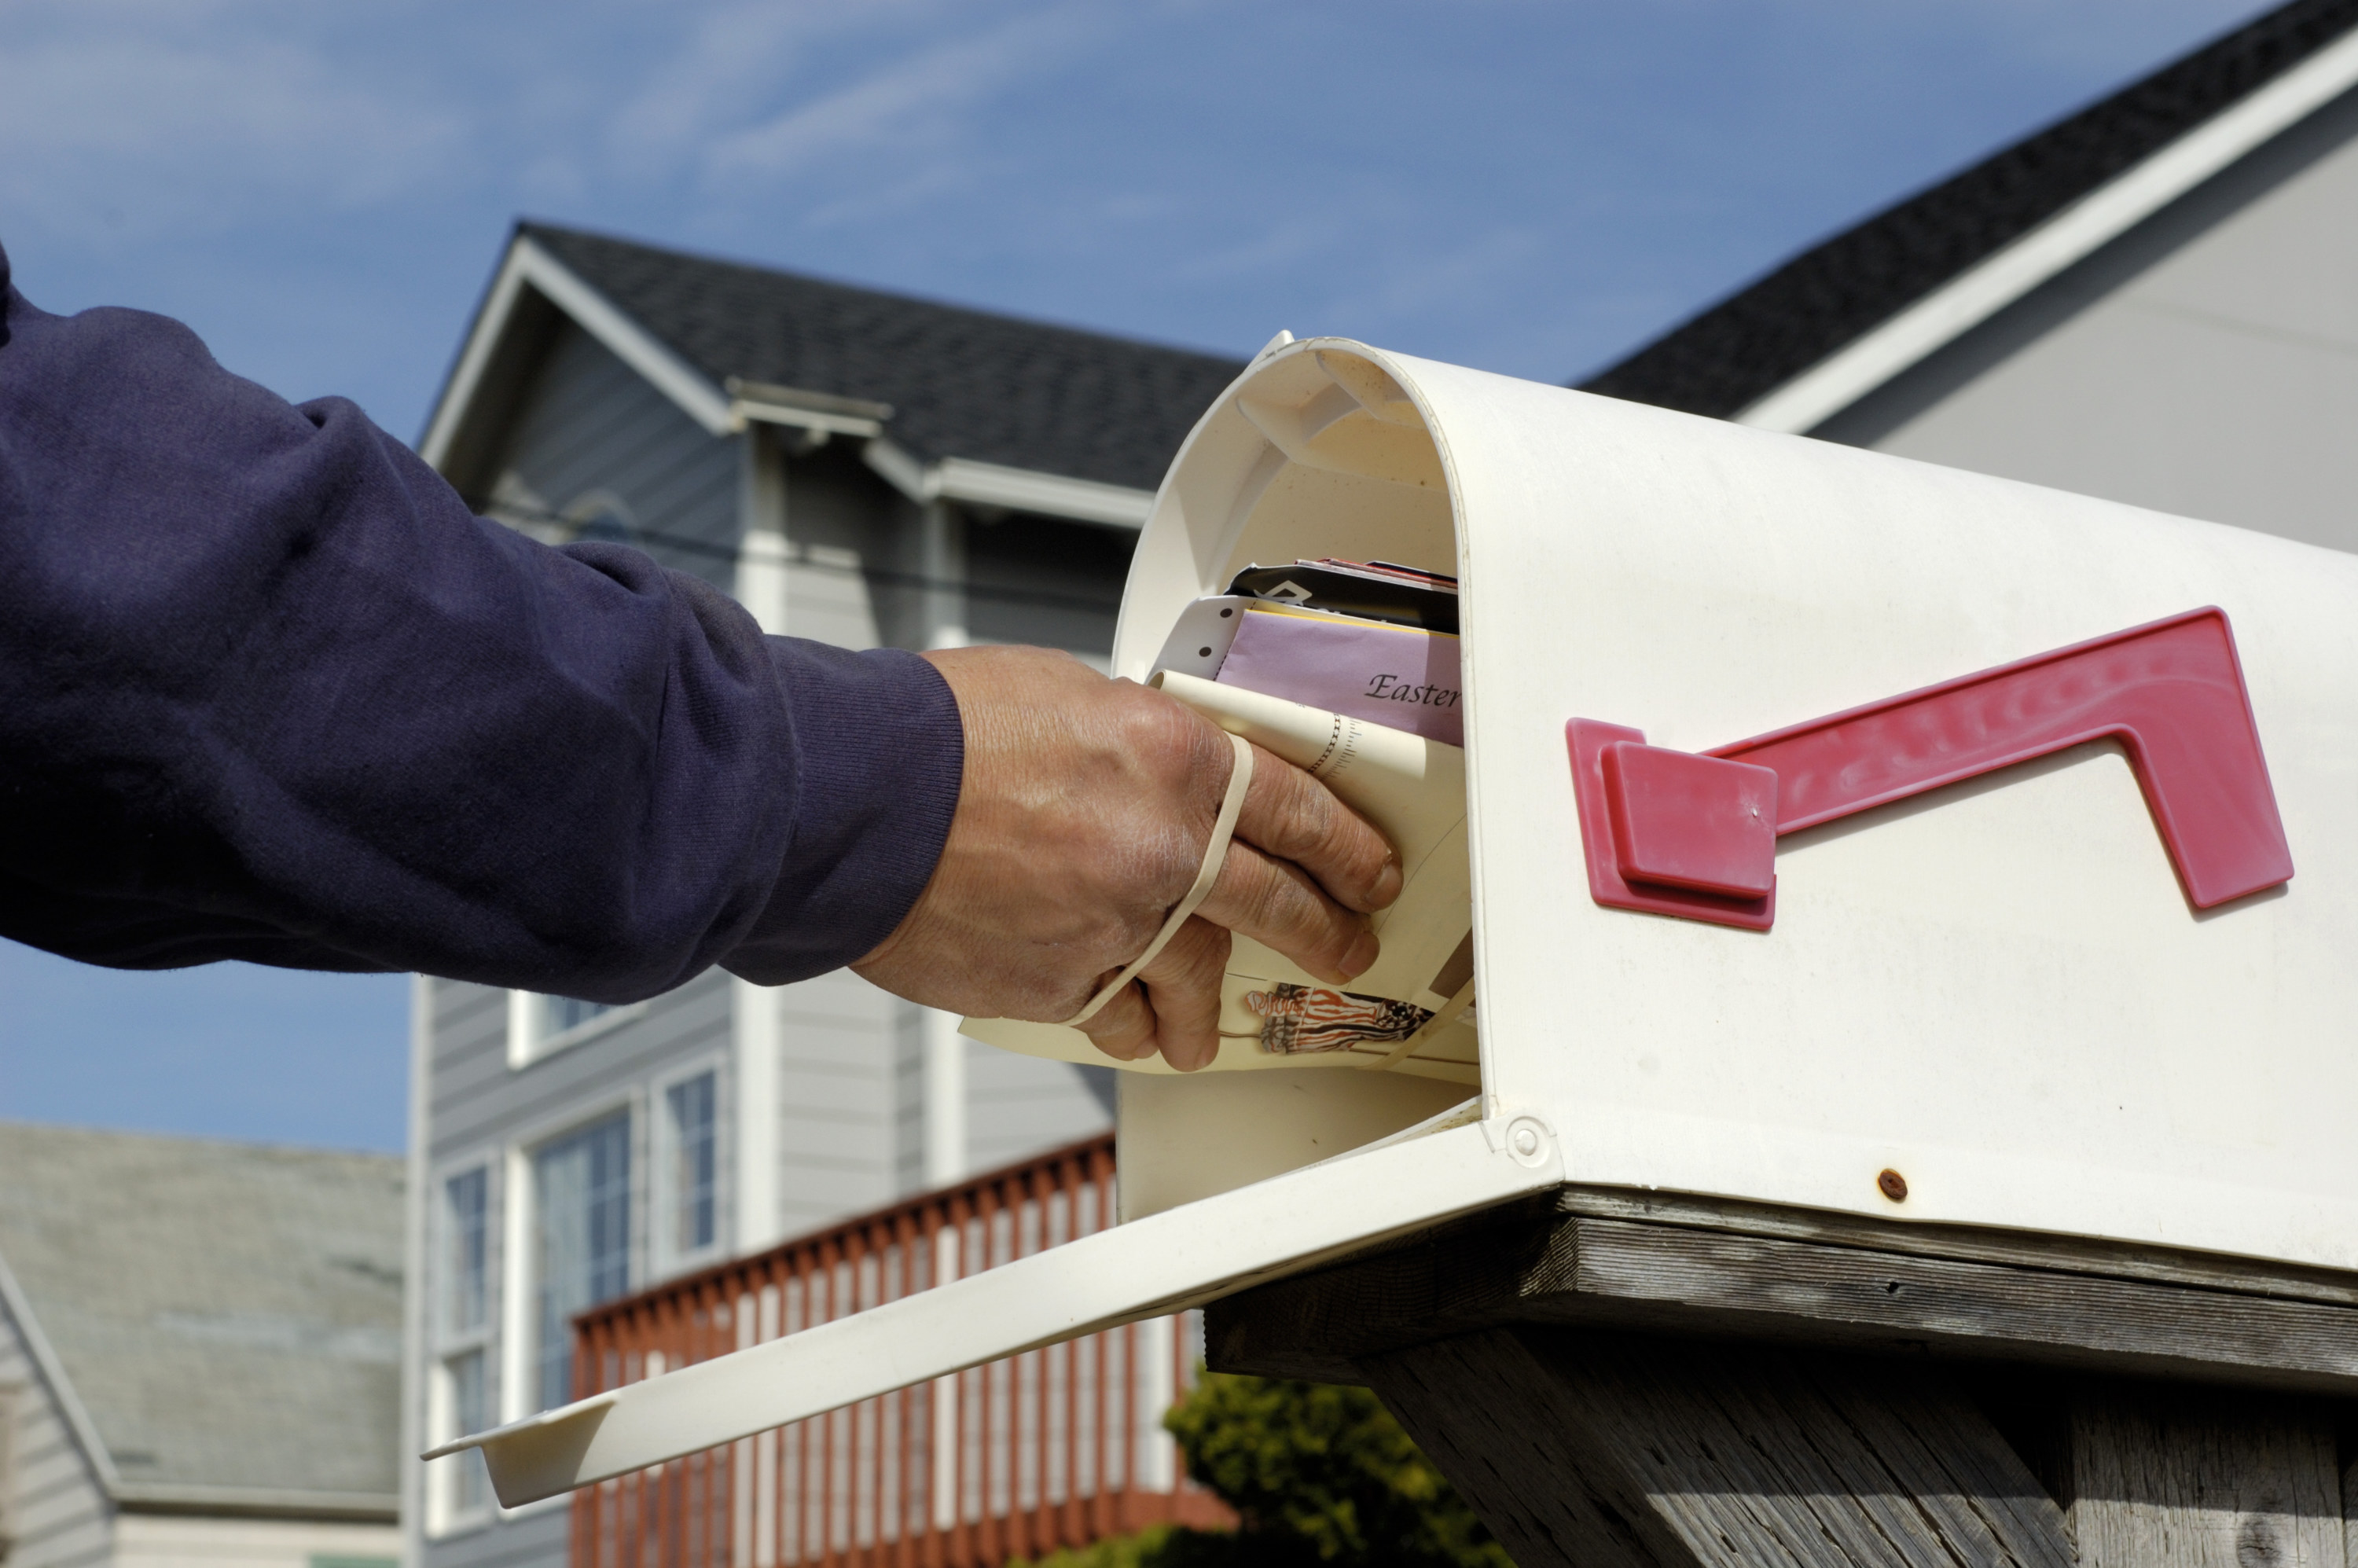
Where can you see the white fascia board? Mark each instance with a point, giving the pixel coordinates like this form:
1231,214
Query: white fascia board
746,410
1027,490
258,1502
1180,1258
458,391
44,1357
528,265
2070,236
901,470
1019,489
630,342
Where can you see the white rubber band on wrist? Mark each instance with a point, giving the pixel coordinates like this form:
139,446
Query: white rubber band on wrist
1215,855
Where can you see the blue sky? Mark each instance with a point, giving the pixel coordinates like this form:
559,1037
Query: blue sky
1531,188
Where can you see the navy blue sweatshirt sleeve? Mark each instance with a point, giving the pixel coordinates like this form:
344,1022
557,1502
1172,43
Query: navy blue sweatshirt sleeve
269,692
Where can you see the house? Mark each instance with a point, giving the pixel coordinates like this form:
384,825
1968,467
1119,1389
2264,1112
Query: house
2154,300
854,466
199,1352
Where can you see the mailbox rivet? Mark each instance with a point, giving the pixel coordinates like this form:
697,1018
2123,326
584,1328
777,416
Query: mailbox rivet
1893,1186
1527,1142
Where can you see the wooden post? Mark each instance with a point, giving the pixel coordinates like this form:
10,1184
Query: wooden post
2192,1477
1609,1449
1627,1382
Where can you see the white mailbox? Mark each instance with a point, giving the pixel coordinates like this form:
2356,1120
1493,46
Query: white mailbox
2024,949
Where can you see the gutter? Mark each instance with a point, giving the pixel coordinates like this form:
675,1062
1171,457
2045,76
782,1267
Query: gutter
255,1502
1019,489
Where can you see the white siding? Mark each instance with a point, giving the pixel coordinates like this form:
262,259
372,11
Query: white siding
55,1514
1019,1105
2206,364
146,1540
590,430
841,1129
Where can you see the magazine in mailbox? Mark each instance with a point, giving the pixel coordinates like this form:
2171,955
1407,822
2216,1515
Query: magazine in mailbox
1349,671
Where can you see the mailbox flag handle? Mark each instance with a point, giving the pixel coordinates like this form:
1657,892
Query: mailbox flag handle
2172,693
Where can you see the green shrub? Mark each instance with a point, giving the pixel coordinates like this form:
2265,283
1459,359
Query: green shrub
1321,1475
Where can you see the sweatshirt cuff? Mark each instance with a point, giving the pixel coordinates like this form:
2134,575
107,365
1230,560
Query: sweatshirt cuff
877,753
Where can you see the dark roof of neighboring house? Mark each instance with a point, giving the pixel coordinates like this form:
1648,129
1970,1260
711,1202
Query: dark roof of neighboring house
1752,342
229,1315
962,383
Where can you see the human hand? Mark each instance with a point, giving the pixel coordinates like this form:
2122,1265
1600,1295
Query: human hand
1083,814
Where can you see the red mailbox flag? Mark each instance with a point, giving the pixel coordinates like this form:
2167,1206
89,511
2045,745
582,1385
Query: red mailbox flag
1683,834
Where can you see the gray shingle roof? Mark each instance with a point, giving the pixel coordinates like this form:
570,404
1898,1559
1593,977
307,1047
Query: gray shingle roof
1747,345
962,383
230,1315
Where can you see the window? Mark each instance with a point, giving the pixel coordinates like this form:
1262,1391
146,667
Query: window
581,1255
601,516
467,1396
561,1013
538,1024
694,1164
465,1249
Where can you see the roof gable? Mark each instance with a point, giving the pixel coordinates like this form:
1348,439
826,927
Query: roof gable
960,384
227,1316
1735,355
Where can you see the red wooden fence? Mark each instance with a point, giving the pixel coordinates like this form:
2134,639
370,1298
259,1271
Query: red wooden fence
1056,1447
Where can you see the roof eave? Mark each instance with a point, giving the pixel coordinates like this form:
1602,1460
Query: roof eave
727,408
1019,489
255,1502
2078,232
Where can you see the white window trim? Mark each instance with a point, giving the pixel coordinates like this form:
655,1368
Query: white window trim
527,1043
519,1359
448,1341
444,1518
665,1259
444,1343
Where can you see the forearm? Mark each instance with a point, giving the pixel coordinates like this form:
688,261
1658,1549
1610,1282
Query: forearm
268,691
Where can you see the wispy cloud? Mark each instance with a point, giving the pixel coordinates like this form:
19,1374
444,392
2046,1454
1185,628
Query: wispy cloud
169,127
912,103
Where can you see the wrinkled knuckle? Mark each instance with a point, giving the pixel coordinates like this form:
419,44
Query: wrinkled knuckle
1155,726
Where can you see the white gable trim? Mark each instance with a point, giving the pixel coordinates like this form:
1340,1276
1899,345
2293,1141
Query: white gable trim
2070,236
44,1357
1020,489
727,411
528,264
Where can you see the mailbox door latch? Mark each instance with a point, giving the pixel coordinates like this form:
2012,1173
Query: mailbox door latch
1695,834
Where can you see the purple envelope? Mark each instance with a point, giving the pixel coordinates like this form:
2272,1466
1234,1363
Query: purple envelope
1395,676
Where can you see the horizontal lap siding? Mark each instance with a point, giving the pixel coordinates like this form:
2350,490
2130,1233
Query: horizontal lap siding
534,1541
55,1515
1019,1105
839,1135
591,424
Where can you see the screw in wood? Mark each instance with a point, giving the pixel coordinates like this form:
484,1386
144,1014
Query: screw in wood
1893,1186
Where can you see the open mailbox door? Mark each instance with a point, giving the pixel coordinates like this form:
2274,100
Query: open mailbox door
1990,922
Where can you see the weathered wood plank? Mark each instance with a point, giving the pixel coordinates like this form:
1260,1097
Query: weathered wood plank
2066,1317
1617,1449
1532,1266
1468,1402
2070,1254
2170,1477
2350,1513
